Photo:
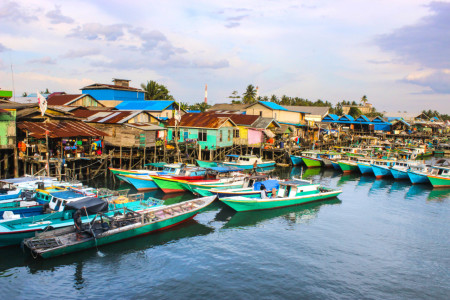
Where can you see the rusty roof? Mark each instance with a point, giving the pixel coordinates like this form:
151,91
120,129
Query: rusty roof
202,120
106,116
62,99
59,129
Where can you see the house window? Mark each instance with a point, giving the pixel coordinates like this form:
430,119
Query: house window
229,134
174,133
221,136
236,133
202,135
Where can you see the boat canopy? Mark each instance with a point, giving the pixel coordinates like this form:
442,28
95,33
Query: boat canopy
91,205
269,184
295,183
224,169
156,165
232,155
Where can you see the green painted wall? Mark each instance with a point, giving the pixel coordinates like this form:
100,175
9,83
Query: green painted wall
212,136
7,128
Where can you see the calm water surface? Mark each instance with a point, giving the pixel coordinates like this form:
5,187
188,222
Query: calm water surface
380,239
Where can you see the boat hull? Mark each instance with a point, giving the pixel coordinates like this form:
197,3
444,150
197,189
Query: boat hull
439,181
206,164
417,178
296,160
381,171
336,165
348,167
249,166
365,168
271,203
399,174
141,184
311,162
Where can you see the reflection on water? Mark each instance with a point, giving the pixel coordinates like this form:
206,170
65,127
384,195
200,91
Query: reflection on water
399,185
293,214
380,185
439,194
348,177
417,190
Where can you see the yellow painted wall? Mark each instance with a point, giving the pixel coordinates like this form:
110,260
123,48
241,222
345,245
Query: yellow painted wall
279,115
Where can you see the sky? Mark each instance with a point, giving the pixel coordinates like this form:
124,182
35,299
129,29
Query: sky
397,53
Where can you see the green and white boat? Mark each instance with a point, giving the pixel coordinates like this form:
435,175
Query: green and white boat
292,192
440,176
312,159
206,164
105,230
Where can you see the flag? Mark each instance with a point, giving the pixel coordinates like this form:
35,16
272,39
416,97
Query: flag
177,116
42,103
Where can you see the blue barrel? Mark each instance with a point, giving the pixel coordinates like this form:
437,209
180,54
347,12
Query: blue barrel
281,144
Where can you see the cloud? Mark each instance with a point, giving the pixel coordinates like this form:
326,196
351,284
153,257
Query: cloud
426,43
97,31
80,53
14,12
46,60
3,48
437,81
56,17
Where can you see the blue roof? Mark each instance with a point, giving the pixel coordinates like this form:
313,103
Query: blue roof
272,105
348,117
152,105
194,111
293,124
331,116
362,118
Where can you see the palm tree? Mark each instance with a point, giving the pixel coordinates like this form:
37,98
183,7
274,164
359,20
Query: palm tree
155,91
364,100
250,95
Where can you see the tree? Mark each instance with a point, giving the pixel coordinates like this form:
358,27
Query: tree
274,99
364,100
235,98
250,95
354,112
202,106
155,91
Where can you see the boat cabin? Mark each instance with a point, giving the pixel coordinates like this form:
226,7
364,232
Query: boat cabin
293,188
441,171
386,163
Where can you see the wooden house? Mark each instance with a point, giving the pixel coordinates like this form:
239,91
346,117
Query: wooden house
281,114
208,129
251,129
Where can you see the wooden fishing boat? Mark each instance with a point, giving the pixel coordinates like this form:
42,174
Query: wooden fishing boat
247,162
105,229
169,184
296,160
142,180
293,192
12,232
224,183
251,188
400,169
349,165
206,164
381,168
311,159
440,176
418,174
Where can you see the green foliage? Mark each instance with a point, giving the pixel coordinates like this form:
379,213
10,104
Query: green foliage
249,96
354,112
156,91
235,97
364,100
201,106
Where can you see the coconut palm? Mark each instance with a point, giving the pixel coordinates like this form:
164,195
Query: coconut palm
155,91
250,95
364,100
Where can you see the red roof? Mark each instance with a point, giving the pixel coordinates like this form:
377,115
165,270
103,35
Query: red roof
59,129
61,99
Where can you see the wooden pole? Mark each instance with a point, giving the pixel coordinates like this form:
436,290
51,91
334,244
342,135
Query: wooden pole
131,156
48,153
120,160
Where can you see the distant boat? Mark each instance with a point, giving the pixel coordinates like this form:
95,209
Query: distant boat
293,192
296,160
98,232
440,176
247,162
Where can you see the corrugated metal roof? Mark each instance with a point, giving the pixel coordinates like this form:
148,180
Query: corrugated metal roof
150,105
238,119
97,86
272,105
201,120
62,99
59,129
264,122
228,106
314,110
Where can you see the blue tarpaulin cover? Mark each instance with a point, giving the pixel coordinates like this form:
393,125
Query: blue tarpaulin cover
269,184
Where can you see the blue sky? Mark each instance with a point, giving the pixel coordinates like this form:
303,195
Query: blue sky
395,52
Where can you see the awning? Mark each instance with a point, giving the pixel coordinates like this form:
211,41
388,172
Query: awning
59,129
269,133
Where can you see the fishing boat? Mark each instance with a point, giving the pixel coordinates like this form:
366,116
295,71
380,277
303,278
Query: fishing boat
296,160
381,167
247,162
206,164
329,157
251,188
9,193
364,166
349,165
12,232
418,174
292,192
440,176
400,169
104,229
142,180
312,159
226,183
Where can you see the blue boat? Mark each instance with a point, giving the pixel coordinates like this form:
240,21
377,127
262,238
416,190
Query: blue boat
8,194
399,174
381,168
400,169
417,177
296,160
336,165
364,167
